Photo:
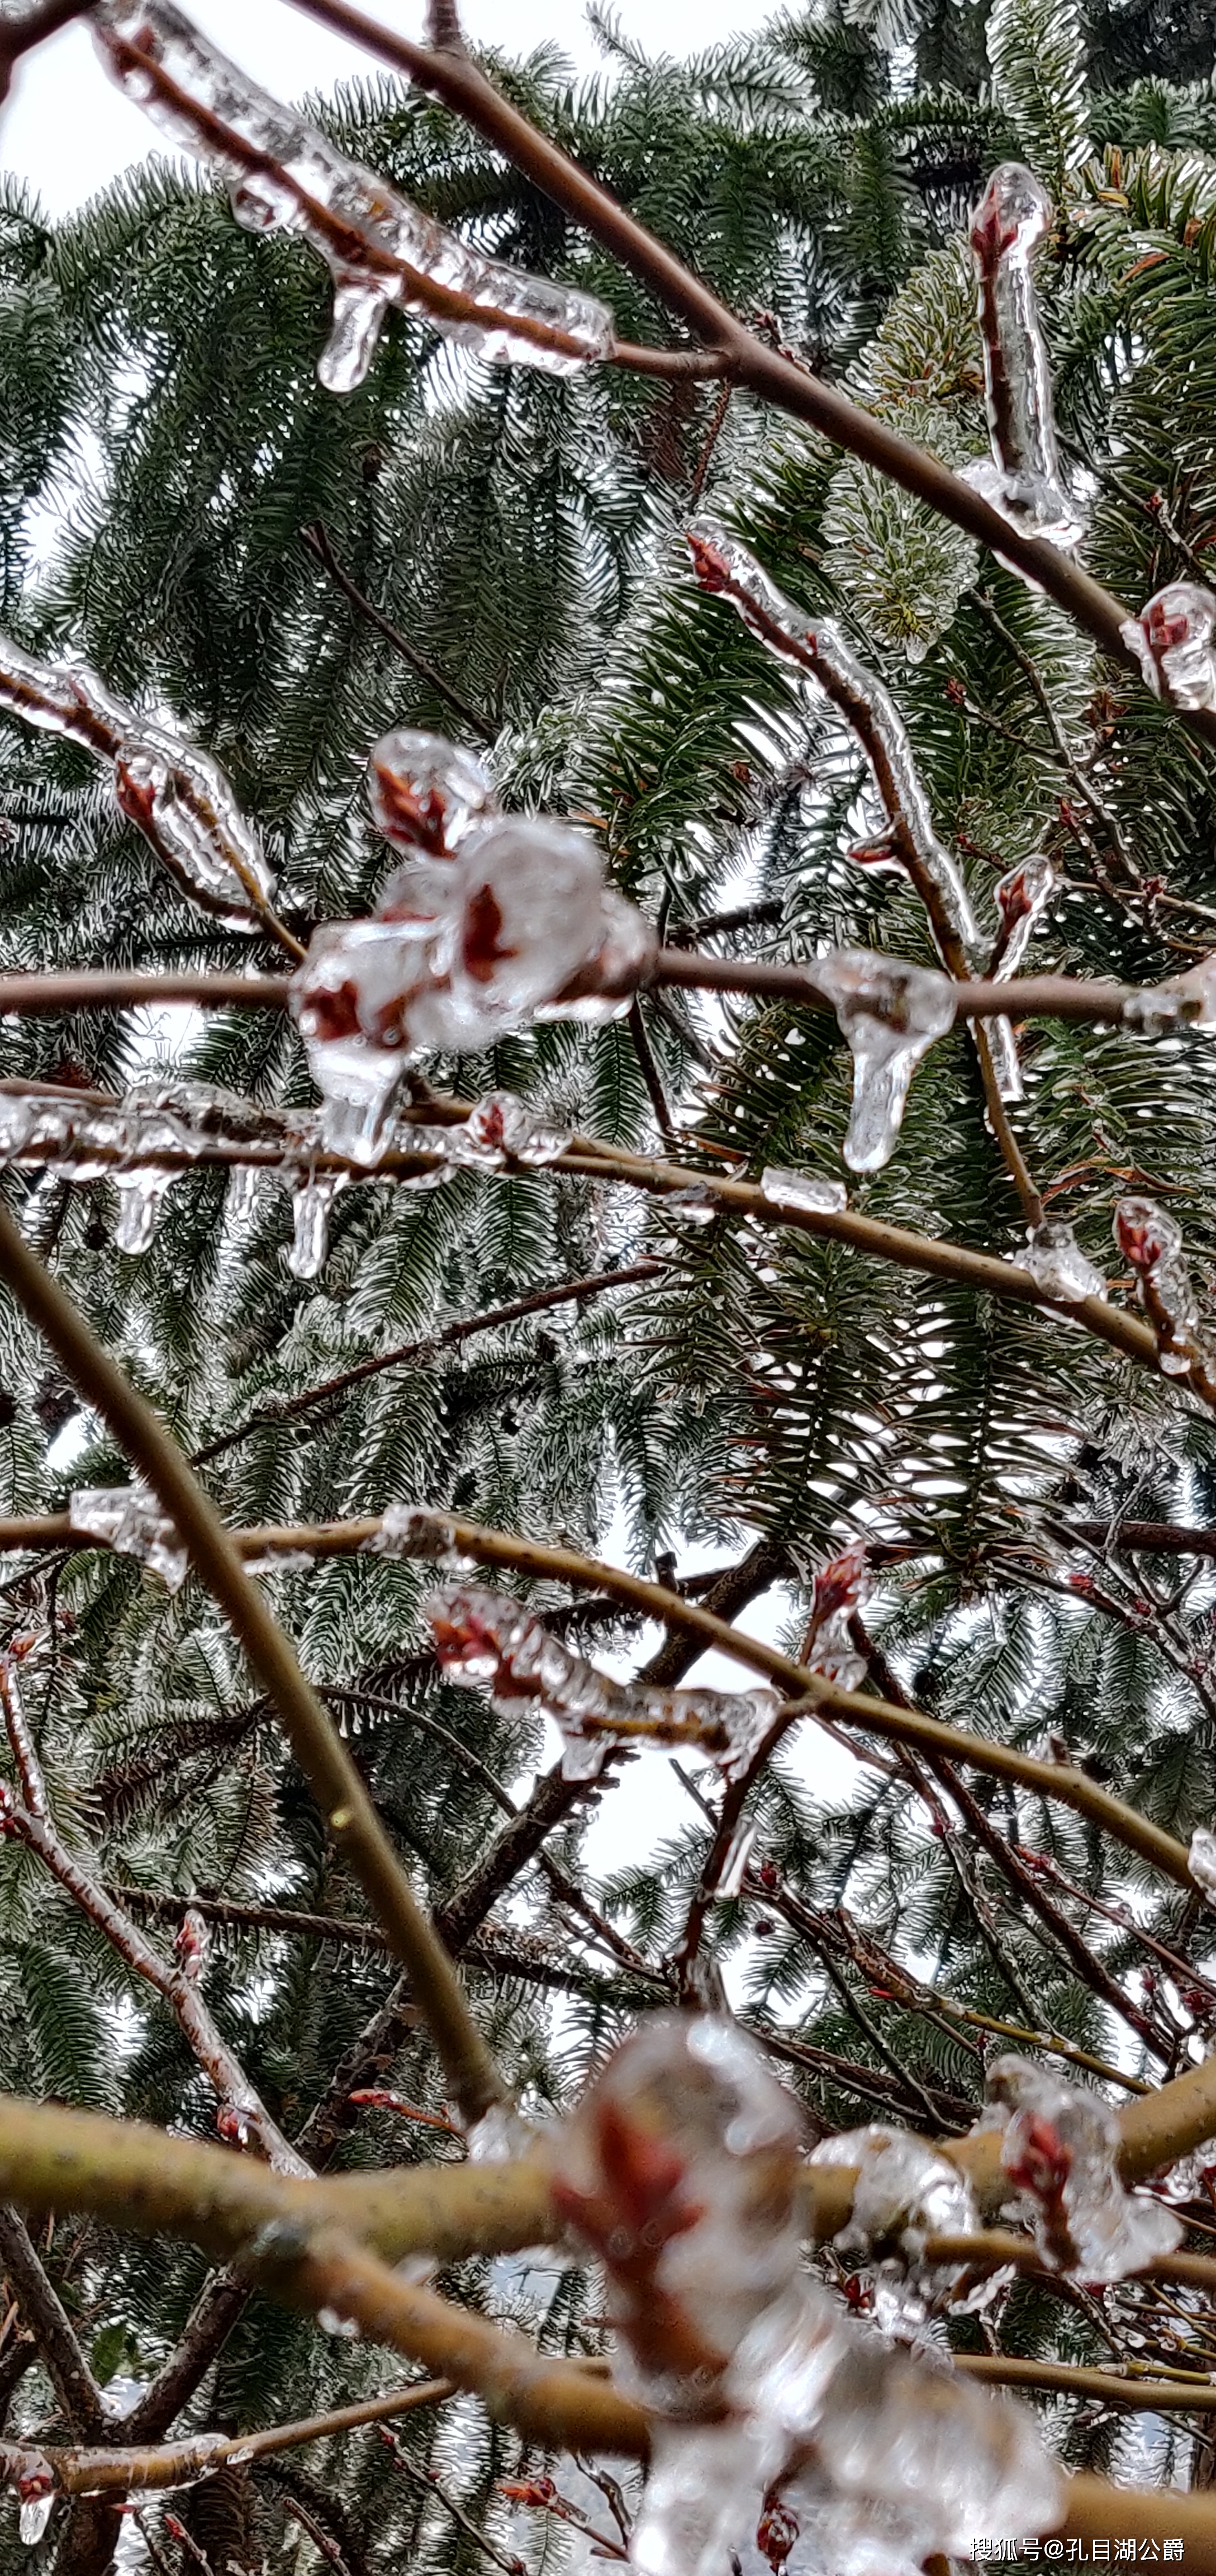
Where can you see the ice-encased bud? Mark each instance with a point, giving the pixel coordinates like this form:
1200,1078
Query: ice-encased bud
1192,995
809,1190
1023,478
890,1014
905,2192
841,1586
1021,897
1201,1860
128,1519
311,1200
426,795
487,1639
1173,642
604,986
899,2435
1057,1264
695,2502
528,914
36,2491
1060,2147
500,1126
350,1000
380,249
1152,1243
679,2168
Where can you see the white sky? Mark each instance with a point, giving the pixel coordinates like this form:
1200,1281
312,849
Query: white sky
68,130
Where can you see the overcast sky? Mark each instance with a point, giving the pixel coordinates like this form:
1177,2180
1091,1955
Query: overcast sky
68,130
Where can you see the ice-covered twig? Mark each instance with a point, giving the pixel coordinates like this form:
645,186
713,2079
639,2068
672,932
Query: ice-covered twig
177,795
379,249
1023,480
1174,642
490,1640
242,2117
80,2469
1152,1243
1020,897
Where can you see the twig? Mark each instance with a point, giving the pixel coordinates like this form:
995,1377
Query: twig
473,2079
650,1075
19,35
431,2485
52,2328
83,2471
319,544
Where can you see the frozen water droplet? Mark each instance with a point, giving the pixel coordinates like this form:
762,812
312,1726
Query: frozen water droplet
905,2192
311,1201
141,1202
128,1519
427,794
1057,1264
1023,478
1173,641
1152,1243
500,2136
1060,2147
808,1190
344,2328
34,2516
891,1014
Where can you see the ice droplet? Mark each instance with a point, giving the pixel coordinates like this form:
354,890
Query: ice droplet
426,794
1172,640
141,1205
311,1201
1057,1264
808,1190
177,795
1202,1861
1060,2148
890,1014
34,2516
495,1643
1023,478
379,249
344,2328
128,1519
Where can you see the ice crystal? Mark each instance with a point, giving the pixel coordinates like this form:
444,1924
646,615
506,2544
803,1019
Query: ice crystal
1202,1861
1174,642
1023,479
499,2136
177,795
380,250
36,2492
1060,2147
1151,1241
1057,1264
426,794
311,1201
891,1014
488,1639
803,1190
128,1519
905,2192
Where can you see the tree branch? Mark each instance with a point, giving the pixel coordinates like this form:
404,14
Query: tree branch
319,544
52,2329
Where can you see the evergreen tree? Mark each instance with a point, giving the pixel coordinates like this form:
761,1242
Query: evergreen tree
653,1333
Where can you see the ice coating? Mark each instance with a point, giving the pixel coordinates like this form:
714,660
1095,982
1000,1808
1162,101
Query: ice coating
177,795
1060,2148
36,2492
517,926
488,1639
841,1586
499,2136
1023,479
891,1014
191,1945
1152,1243
821,650
679,2169
380,250
1201,1860
905,2192
1020,897
1174,642
1196,989
1057,1264
809,1190
141,1205
426,795
311,1201
128,1519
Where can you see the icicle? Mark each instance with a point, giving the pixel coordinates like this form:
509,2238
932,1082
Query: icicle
36,2492
380,250
311,1201
803,1190
141,1205
1060,2148
487,1639
891,1014
1152,1243
178,795
1020,898
1057,1264
1174,642
128,1519
191,1945
1023,478
427,794
905,2192
1201,1859
822,653
734,1867
349,1000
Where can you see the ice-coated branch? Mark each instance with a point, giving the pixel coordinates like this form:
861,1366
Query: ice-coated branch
22,30
341,1796
1152,1243
1024,480
380,250
242,2117
152,2468
177,795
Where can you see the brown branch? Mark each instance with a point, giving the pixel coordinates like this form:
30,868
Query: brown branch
332,1776
52,2329
319,544
651,1076
1168,2396
19,35
1165,1538
149,2467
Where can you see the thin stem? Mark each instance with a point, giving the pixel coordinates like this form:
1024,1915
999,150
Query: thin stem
1167,2396
19,35
319,543
340,1794
82,2471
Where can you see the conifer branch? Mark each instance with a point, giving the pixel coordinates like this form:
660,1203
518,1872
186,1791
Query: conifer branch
319,544
343,1800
